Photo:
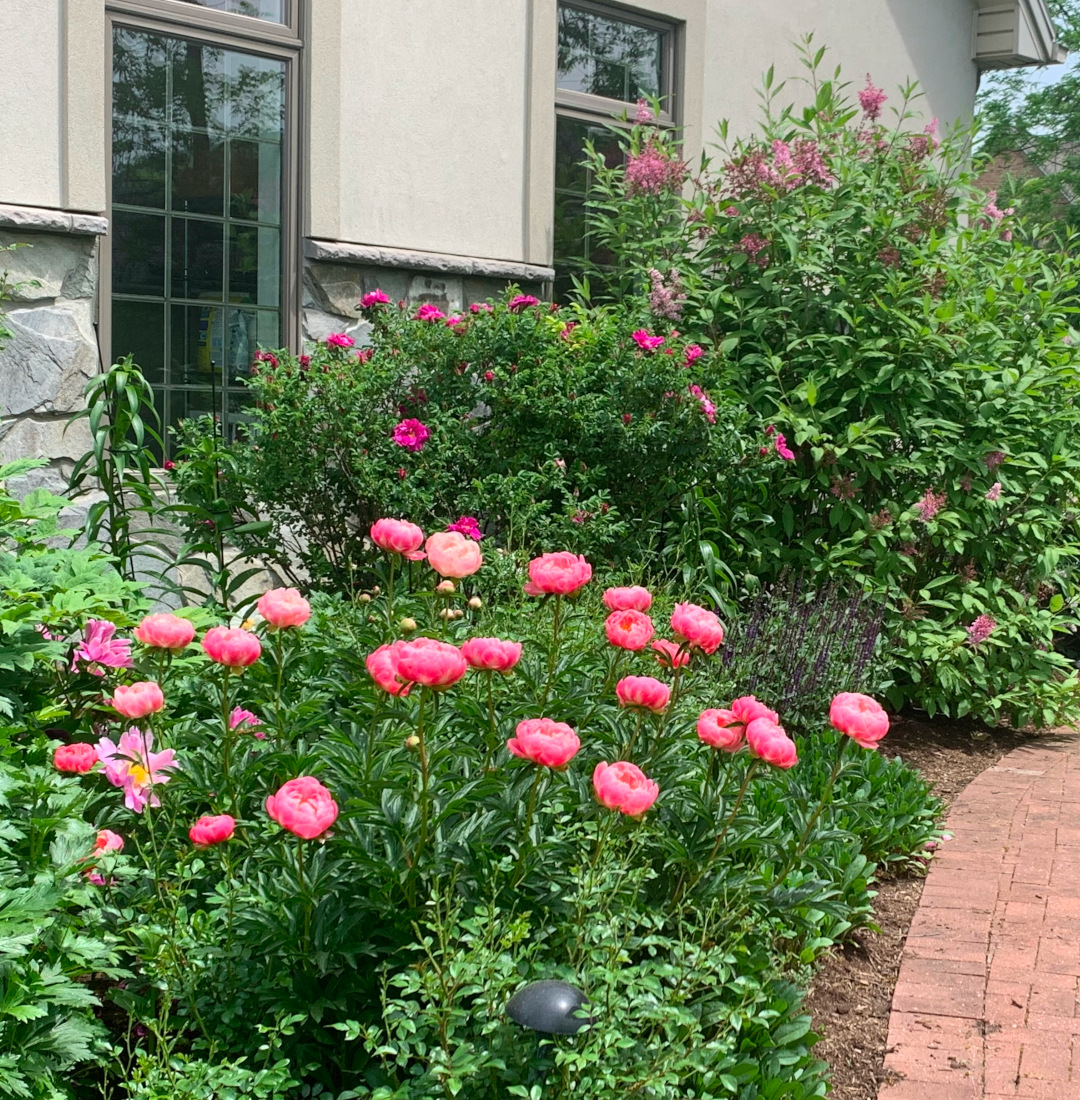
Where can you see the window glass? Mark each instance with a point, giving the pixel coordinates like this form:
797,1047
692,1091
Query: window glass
610,57
273,10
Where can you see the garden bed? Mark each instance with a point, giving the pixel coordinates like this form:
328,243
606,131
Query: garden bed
851,994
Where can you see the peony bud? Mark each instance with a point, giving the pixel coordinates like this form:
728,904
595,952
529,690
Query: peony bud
476,603
408,625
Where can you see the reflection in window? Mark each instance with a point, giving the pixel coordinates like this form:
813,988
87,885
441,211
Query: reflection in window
609,57
196,215
273,10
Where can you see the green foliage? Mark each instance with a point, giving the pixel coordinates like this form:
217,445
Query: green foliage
872,307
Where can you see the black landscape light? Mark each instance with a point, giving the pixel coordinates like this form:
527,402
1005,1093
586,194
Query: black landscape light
549,1006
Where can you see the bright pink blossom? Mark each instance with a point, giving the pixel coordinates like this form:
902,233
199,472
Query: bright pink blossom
698,626
137,700
130,764
629,629
545,742
645,341
106,841
708,409
863,719
652,171
398,536
429,312
634,598
411,434
624,787
241,717
671,654
283,608
768,741
643,691
231,646
212,830
468,526
431,663
558,574
521,302
382,666
339,340
692,353
99,650
782,449
78,757
375,298
165,631
303,806
747,709
491,654
871,99
451,554
980,630
720,729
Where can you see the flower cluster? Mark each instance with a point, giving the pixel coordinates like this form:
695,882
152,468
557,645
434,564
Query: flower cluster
653,171
666,296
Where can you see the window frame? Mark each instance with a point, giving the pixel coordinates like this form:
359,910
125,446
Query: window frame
262,40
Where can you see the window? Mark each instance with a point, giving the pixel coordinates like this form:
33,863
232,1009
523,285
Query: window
607,60
273,10
199,217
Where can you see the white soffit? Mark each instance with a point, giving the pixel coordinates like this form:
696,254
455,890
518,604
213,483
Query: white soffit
1011,33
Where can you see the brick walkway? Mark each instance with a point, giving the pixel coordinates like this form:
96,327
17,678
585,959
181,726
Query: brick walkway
986,1005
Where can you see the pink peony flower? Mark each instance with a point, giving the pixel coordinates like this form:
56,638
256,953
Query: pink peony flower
231,646
339,340
451,554
491,654
398,536
98,650
430,663
698,626
994,492
137,700
671,654
411,434
624,787
782,449
692,353
106,841
303,806
375,298
634,598
212,830
241,717
551,744
131,765
980,630
429,312
559,574
165,631
721,729
863,719
747,709
521,302
629,629
283,608
382,666
78,758
645,341
468,526
643,691
871,99
769,742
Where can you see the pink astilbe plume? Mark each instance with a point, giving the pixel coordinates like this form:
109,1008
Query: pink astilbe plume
930,504
871,99
666,297
980,630
653,171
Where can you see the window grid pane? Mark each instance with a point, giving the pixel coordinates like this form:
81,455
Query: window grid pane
610,57
271,10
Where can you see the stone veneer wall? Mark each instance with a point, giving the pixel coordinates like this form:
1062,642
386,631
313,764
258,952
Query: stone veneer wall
53,350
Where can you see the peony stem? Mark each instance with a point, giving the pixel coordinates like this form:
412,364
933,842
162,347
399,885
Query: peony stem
634,736
390,594
279,653
492,737
824,800
305,893
532,804
554,649
423,780
226,752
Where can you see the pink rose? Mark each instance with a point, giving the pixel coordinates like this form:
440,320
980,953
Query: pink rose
643,691
398,536
231,646
212,830
375,298
720,729
634,598
491,654
559,574
303,806
411,434
646,342
339,340
451,554
552,744
165,631
698,626
863,719
671,654
746,709
429,312
137,700
624,787
284,607
78,758
431,664
382,666
522,302
629,629
770,743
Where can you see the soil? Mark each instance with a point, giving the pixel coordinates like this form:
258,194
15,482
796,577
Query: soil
851,994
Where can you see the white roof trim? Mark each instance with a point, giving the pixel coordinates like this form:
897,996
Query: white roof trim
1012,33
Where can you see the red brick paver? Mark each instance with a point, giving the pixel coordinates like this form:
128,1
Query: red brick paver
987,1004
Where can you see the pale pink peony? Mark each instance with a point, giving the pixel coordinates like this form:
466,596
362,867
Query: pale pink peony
398,536
431,663
643,691
78,758
451,554
543,741
411,434
671,654
137,700
212,830
303,806
863,719
634,598
283,608
165,631
629,629
339,340
382,666
375,298
747,709
698,626
624,787
558,574
721,729
769,742
491,654
131,765
231,646
99,650
645,341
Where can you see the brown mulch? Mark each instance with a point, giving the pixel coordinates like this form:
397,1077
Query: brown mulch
851,994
